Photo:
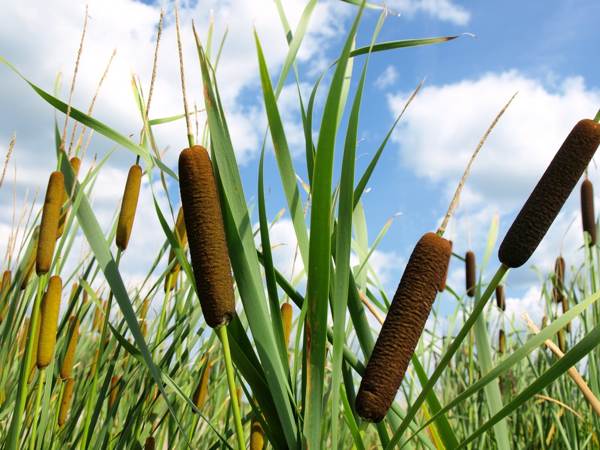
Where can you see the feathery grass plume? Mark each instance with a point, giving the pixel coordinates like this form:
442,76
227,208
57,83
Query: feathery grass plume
206,235
559,279
49,321
470,273
501,341
562,340
49,224
588,216
128,206
75,165
500,299
201,393
403,325
549,195
114,391
257,436
66,368
565,308
150,443
65,403
286,319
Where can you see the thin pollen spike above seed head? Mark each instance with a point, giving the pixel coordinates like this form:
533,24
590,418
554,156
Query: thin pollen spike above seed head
470,273
49,321
49,224
588,216
65,403
422,279
206,236
286,319
549,195
128,206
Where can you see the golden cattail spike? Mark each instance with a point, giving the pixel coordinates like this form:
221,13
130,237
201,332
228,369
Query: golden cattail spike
286,319
206,236
49,321
201,393
5,284
128,206
49,224
66,368
65,403
257,436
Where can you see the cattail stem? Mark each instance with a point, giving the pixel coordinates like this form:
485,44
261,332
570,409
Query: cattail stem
237,417
26,363
38,402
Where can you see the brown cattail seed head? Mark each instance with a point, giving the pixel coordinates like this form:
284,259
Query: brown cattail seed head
286,319
49,321
201,393
500,299
128,206
206,235
470,273
501,342
257,436
565,308
66,368
423,277
150,443
559,279
49,224
114,391
588,217
551,192
65,403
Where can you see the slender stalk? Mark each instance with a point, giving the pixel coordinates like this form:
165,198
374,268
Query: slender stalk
237,416
38,401
15,426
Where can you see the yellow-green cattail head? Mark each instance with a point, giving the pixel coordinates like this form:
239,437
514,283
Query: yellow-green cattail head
49,321
128,206
286,319
206,236
257,436
65,403
66,368
562,340
114,391
49,224
201,393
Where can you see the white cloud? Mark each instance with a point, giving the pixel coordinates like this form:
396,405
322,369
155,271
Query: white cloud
515,155
387,78
445,10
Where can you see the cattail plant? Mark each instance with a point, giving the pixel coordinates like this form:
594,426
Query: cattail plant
470,273
48,322
401,330
549,195
128,206
114,391
66,368
201,393
562,340
49,224
65,403
501,341
99,316
36,340
559,279
5,283
500,299
565,308
206,235
286,319
588,217
150,443
257,436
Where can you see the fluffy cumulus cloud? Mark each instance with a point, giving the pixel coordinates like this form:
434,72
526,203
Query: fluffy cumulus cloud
445,10
386,78
41,40
512,160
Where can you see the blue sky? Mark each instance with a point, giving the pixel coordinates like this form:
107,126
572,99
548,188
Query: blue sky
543,50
